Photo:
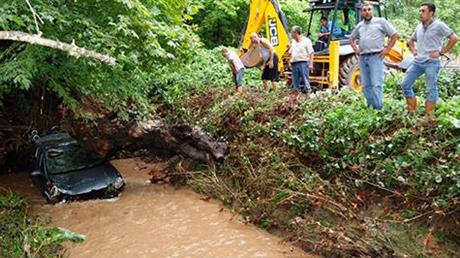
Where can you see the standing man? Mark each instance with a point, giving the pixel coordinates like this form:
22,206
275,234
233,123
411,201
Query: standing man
237,68
270,58
371,33
429,35
301,60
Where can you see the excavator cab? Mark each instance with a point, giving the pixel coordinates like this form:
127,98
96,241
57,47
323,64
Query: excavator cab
341,15
335,64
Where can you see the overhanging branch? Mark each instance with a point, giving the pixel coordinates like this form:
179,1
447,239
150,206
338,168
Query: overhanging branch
72,49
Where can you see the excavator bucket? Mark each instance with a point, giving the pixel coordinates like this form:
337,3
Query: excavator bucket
252,58
399,57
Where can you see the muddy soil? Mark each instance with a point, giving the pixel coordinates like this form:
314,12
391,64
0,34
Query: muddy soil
153,221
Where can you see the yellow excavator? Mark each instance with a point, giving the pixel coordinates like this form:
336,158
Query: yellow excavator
335,64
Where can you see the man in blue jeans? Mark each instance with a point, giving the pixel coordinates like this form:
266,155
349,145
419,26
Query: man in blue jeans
302,52
237,68
428,35
371,33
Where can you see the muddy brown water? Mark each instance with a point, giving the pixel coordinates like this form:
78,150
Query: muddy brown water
153,221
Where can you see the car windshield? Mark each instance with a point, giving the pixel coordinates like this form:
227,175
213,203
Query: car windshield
70,157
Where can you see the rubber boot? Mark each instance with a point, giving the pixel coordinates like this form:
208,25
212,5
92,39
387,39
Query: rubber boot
411,105
429,112
239,90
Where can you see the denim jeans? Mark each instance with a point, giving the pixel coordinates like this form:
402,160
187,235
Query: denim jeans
238,77
431,69
372,79
299,75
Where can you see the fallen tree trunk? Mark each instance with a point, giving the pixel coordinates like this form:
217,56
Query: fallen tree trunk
110,136
72,49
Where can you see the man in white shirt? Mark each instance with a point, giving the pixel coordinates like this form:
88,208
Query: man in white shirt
236,66
302,52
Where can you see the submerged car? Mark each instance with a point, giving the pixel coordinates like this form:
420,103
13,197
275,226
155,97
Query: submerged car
64,170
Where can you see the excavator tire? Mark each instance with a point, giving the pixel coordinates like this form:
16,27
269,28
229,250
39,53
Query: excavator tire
349,73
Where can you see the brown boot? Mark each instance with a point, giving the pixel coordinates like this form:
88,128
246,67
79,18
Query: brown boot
411,105
429,111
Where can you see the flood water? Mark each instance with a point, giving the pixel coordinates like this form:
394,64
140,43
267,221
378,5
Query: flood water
153,221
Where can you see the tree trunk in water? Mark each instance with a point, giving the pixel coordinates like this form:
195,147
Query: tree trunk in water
110,136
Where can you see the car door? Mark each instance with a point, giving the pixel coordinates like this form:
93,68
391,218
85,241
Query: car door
38,175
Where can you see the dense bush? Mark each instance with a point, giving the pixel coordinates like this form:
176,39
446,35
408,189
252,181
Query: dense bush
142,36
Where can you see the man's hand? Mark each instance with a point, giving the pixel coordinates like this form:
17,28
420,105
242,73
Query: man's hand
384,52
310,66
435,54
358,51
270,64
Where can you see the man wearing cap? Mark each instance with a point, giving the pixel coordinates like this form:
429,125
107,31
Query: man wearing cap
370,34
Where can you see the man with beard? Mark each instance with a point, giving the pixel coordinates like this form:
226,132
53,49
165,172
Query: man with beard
371,33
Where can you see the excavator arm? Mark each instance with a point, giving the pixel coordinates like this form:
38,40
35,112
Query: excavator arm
268,13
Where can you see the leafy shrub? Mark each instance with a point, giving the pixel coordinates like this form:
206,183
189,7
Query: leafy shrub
25,236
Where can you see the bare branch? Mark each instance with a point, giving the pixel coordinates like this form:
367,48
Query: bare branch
72,49
35,15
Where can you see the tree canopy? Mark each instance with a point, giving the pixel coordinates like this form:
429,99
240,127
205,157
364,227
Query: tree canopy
143,36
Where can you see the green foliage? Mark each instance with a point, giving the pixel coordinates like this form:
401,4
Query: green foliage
404,15
142,36
221,22
208,69
25,236
294,11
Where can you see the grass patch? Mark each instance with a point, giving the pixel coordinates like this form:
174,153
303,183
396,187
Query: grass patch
23,235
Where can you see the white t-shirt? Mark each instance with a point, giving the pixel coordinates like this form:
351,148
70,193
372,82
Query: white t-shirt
232,57
300,51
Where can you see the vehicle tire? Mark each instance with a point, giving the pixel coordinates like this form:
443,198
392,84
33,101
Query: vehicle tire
349,73
52,195
52,199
